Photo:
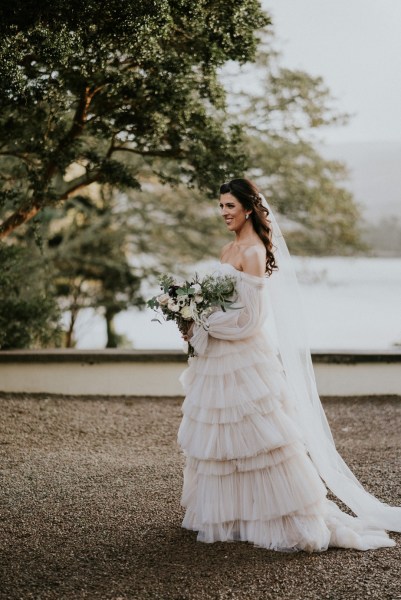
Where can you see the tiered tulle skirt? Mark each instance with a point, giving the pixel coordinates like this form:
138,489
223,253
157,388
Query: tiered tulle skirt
247,475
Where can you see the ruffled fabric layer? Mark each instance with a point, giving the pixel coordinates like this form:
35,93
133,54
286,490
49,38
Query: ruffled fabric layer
248,476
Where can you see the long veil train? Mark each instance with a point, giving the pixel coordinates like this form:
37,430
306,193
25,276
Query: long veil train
285,301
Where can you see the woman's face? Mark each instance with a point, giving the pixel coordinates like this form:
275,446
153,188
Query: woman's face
232,212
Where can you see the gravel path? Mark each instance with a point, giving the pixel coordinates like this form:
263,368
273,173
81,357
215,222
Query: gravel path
90,508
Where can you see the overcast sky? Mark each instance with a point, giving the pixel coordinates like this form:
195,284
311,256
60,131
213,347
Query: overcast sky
356,46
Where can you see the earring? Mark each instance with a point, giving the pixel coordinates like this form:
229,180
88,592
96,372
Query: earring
246,216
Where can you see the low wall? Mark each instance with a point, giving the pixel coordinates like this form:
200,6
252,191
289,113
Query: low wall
156,373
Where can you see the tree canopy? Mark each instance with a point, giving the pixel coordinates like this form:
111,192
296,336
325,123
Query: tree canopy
117,126
281,117
85,83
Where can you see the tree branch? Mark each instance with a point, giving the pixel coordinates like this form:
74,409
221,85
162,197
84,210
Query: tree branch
6,177
26,212
20,216
77,184
30,210
160,153
78,124
17,155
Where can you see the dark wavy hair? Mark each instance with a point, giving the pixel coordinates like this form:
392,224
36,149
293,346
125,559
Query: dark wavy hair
248,195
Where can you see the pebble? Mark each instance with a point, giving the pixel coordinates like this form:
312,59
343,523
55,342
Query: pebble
90,508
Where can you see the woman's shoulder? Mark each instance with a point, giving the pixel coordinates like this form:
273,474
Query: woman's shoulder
254,251
247,258
254,260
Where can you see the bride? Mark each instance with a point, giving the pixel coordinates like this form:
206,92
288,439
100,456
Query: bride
260,456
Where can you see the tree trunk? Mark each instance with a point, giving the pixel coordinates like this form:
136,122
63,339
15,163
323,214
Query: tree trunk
69,336
112,336
24,214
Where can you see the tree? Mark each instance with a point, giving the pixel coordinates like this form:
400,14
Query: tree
115,132
100,247
280,121
79,85
29,314
87,250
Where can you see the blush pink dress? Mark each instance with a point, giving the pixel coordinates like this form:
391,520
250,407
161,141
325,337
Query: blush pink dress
248,475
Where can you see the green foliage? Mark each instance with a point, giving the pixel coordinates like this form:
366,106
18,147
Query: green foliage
321,216
193,300
172,227
29,315
114,131
88,253
80,84
308,190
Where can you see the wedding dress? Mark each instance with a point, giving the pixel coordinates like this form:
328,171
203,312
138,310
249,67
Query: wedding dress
248,473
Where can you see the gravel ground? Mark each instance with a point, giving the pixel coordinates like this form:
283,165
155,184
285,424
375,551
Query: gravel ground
90,508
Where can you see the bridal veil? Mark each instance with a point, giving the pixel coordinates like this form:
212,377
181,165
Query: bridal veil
284,299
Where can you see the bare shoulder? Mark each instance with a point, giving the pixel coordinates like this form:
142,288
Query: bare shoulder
254,260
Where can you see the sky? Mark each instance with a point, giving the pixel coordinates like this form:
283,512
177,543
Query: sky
355,45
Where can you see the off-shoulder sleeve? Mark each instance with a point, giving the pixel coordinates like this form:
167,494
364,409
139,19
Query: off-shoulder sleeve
238,323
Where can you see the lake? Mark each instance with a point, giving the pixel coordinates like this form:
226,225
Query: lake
351,303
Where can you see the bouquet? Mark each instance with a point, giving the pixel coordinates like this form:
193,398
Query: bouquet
188,302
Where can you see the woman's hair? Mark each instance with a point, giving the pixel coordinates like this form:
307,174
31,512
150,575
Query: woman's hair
248,195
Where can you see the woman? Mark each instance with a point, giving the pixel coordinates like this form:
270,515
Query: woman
258,446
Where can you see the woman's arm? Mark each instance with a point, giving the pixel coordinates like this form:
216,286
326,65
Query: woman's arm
253,261
235,323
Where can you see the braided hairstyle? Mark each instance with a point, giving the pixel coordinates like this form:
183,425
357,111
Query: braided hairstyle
248,195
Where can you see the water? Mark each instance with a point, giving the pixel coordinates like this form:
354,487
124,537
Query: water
351,303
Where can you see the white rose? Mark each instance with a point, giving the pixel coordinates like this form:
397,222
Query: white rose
198,298
197,288
163,299
187,312
172,305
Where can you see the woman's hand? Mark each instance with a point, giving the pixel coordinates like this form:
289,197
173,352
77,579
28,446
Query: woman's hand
187,336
